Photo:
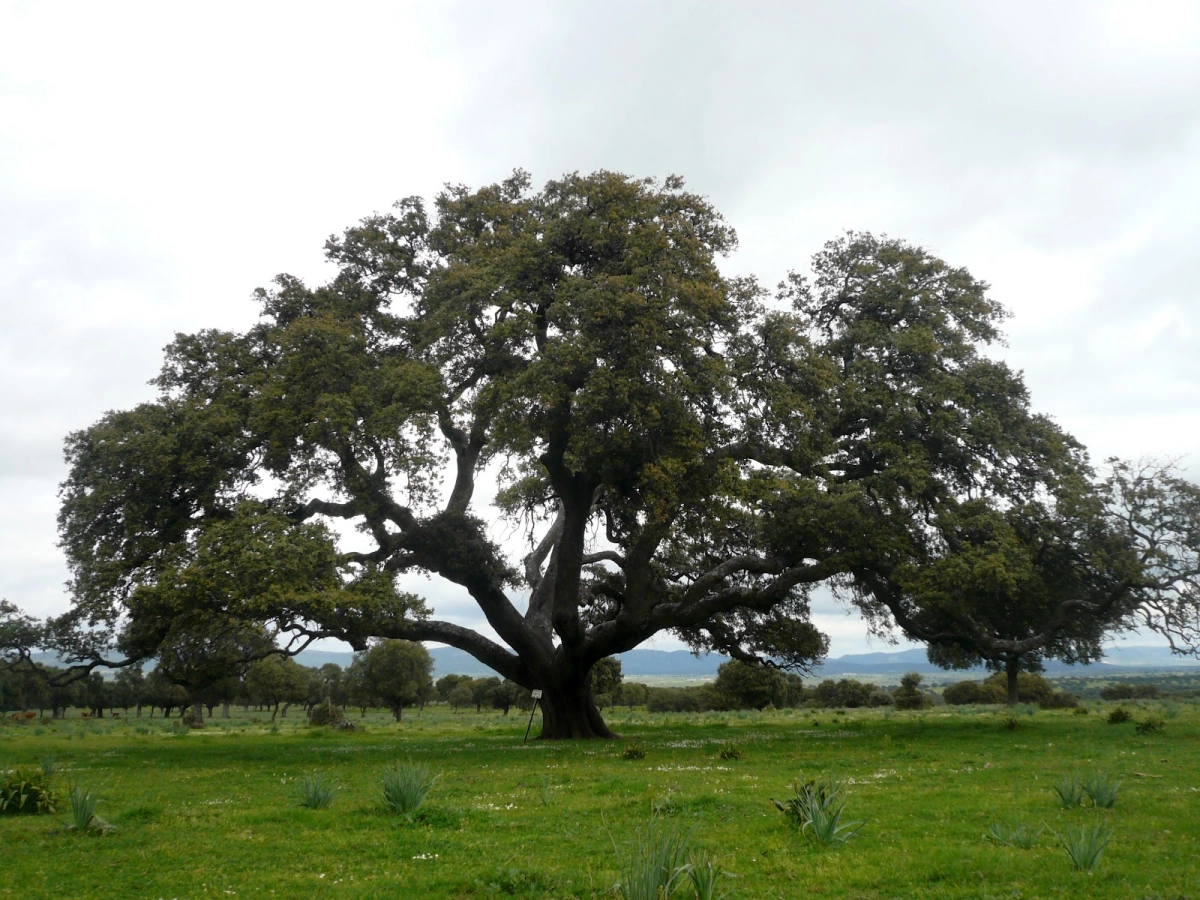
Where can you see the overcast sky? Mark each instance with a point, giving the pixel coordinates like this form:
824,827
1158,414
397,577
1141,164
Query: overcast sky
158,162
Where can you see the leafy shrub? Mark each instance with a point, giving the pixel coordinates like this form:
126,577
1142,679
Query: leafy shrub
405,786
654,864
1020,835
635,751
1059,700
972,692
816,807
1081,711
729,750
327,714
1011,723
673,700
316,792
1119,716
1126,691
1085,844
1101,791
880,698
1149,725
190,719
1070,791
909,695
24,792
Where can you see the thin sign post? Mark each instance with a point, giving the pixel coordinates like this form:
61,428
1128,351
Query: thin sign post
537,695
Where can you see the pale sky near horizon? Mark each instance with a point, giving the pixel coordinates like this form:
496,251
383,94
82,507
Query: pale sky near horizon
158,162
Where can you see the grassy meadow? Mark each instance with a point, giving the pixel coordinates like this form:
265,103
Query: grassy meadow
215,812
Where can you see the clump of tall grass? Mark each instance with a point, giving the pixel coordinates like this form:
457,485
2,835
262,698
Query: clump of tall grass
729,750
83,811
545,789
635,751
1020,835
1101,791
405,786
816,807
1070,791
83,807
316,792
705,877
49,765
655,862
1086,843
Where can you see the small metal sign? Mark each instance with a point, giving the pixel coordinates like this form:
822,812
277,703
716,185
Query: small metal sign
537,695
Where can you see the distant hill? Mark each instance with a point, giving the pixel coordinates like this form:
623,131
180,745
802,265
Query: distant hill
680,663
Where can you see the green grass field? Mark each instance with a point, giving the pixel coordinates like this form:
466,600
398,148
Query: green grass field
214,813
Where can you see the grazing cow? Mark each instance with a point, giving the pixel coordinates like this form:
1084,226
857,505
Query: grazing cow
30,714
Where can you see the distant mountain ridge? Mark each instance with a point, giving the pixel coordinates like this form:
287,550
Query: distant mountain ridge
682,664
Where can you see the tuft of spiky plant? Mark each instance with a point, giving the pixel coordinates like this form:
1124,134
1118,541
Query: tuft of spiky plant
1070,791
405,786
545,789
729,750
1019,835
49,765
635,751
1086,843
704,877
654,863
1101,791
83,807
316,792
816,807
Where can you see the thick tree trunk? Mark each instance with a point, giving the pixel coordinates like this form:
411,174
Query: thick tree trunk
570,713
286,707
225,710
197,715
1012,668
397,712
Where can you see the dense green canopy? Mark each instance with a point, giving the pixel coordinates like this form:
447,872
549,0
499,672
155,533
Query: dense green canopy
684,451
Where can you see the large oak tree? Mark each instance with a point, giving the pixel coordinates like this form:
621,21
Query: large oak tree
685,451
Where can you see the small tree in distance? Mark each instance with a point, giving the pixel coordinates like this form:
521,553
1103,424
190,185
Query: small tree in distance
398,673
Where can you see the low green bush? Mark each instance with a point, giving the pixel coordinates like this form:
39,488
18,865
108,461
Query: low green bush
1150,725
327,714
635,751
1119,716
23,792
